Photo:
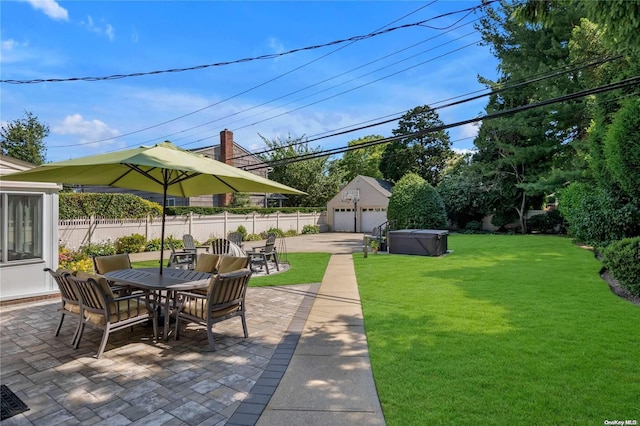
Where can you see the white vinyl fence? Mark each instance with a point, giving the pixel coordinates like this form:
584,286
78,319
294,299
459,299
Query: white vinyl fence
77,232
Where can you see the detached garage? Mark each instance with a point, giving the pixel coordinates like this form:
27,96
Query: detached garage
360,206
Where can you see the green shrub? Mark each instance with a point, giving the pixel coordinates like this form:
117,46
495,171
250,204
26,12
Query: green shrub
598,216
105,248
622,258
622,147
291,233
131,244
243,231
254,237
311,229
153,245
73,205
550,222
416,204
278,232
473,227
185,210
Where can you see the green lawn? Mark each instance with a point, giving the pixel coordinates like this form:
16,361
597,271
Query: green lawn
504,330
304,268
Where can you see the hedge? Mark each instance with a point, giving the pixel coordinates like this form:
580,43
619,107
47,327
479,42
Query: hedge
622,258
109,205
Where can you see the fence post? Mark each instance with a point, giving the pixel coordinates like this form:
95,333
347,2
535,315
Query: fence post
190,223
225,225
278,219
92,221
298,221
253,220
147,227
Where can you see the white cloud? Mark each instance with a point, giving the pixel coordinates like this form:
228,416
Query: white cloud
470,130
51,8
103,28
276,45
13,51
85,130
464,150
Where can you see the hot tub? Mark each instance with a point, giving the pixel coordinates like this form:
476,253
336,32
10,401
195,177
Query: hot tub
423,242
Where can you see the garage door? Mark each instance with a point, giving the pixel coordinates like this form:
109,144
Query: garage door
343,220
372,218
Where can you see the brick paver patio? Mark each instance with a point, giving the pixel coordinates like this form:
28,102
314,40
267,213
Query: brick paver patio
141,382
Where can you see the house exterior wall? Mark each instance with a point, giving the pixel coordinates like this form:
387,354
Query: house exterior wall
26,277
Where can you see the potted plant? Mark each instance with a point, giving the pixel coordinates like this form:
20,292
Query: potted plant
375,245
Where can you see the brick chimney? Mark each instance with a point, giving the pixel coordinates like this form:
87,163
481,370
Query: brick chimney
226,156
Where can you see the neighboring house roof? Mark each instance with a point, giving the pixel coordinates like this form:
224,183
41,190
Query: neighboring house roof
385,187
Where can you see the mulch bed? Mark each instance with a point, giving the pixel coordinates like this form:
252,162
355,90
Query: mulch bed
617,289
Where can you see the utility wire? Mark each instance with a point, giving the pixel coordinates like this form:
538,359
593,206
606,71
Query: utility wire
499,89
601,89
318,83
255,58
247,91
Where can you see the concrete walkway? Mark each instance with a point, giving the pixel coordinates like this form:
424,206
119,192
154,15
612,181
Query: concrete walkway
329,379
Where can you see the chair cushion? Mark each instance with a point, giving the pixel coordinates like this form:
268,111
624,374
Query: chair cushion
207,263
196,308
112,263
128,309
232,263
101,280
71,307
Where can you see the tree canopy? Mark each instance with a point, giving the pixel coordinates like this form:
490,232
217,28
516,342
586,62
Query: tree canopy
310,175
360,161
424,154
23,139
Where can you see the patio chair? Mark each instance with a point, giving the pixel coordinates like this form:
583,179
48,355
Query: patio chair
102,310
232,263
260,255
236,238
190,244
220,246
70,300
181,259
225,299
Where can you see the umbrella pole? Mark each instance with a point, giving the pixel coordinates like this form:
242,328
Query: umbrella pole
164,204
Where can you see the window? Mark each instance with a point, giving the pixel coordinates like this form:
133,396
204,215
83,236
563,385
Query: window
21,234
171,202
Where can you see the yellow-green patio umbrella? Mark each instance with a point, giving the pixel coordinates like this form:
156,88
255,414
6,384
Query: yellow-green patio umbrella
163,168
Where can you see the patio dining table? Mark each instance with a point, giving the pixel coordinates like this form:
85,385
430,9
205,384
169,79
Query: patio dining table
171,281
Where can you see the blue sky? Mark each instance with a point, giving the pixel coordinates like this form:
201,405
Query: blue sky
312,92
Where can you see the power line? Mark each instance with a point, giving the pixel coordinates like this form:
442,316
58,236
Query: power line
255,58
318,83
601,89
458,102
231,97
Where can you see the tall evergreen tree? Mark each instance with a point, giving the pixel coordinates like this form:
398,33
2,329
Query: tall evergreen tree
524,149
425,155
